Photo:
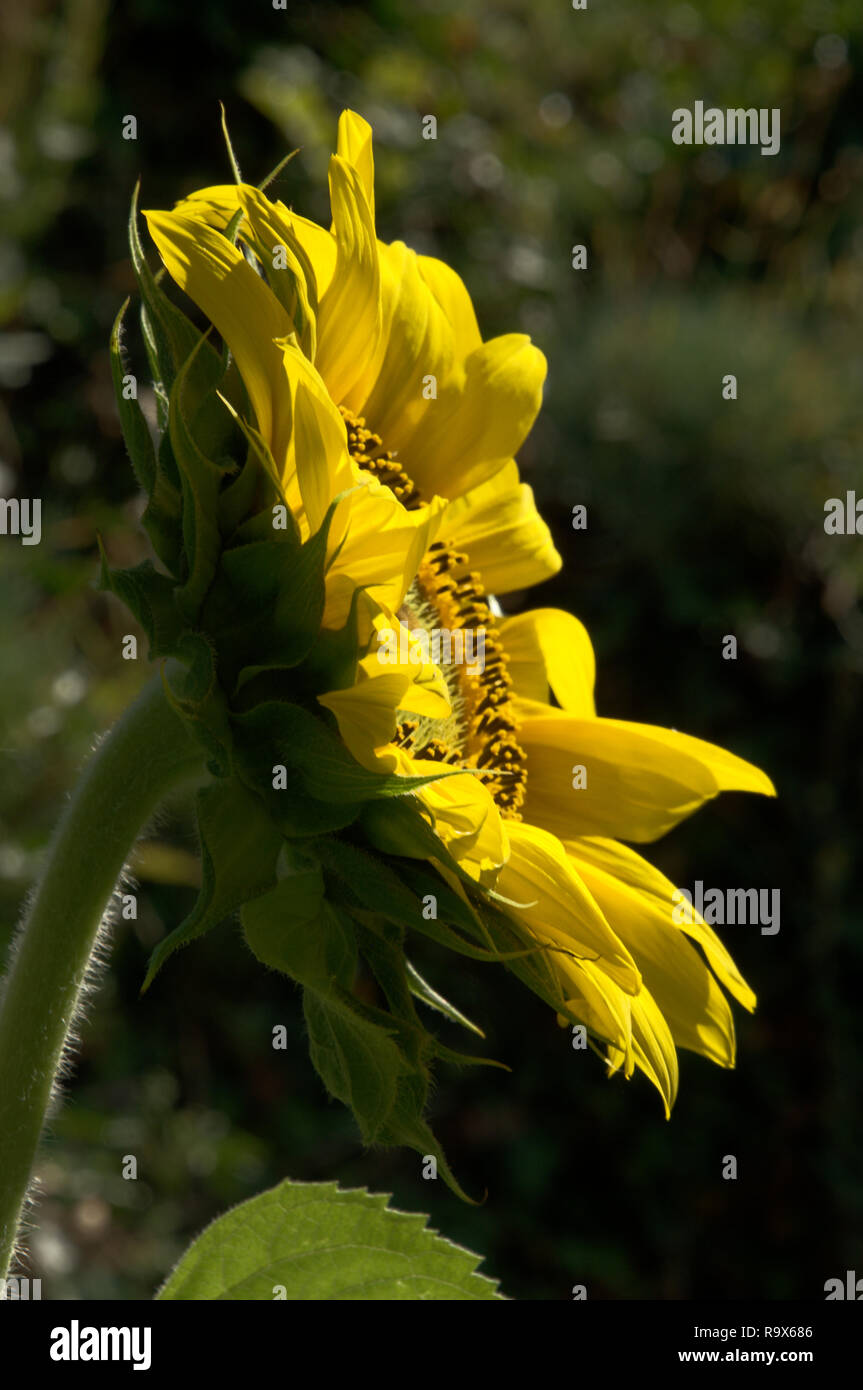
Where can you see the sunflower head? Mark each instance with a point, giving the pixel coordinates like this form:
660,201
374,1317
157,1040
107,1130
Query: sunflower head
335,511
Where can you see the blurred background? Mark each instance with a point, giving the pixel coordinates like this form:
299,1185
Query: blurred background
705,518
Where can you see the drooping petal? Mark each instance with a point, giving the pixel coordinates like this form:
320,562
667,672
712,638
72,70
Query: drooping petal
272,238
483,411
677,977
267,229
214,205
318,244
652,1048
598,1003
490,418
564,913
318,453
427,694
368,712
635,873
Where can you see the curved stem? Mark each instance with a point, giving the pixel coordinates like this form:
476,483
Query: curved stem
146,754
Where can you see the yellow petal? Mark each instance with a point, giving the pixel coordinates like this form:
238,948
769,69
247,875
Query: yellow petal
417,342
641,780
452,295
549,649
355,147
652,1047
465,817
218,203
382,548
595,1000
564,913
503,534
269,232
367,714
319,451
677,977
215,205
479,419
318,244
349,313
503,393
427,694
643,878
215,275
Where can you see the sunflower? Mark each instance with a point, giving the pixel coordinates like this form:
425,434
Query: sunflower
375,401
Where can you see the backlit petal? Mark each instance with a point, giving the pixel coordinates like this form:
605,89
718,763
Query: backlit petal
564,912
550,650
505,538
641,780
677,977
216,276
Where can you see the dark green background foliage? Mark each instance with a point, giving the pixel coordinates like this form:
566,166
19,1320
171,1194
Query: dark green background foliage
705,518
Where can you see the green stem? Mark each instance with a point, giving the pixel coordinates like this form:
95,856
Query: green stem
146,754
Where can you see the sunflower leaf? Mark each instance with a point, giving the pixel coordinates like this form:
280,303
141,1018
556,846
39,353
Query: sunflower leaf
298,598
315,1241
274,173
433,891
407,1126
400,828
162,516
382,949
240,498
465,1059
531,964
369,882
162,519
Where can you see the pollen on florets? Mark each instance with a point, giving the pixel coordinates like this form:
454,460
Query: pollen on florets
367,450
481,732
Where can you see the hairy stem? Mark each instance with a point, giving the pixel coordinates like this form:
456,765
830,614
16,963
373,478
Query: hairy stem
146,754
